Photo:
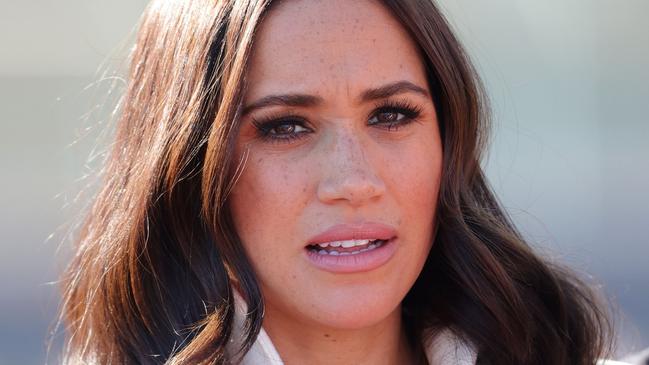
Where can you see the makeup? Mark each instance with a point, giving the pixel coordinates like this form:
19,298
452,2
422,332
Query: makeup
350,248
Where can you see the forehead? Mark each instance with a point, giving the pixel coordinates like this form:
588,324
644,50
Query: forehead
330,47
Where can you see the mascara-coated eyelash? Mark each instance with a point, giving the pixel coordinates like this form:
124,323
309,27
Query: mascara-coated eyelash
409,111
297,127
266,125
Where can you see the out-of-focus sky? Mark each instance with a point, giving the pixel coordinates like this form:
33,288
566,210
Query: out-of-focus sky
569,84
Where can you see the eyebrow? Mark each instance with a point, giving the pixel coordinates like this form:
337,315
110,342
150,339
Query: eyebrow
391,89
306,100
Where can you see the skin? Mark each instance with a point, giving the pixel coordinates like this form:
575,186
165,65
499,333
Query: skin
342,169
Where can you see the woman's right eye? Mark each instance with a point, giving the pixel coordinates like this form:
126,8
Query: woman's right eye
281,130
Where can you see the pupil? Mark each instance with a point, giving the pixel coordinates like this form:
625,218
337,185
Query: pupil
285,129
389,116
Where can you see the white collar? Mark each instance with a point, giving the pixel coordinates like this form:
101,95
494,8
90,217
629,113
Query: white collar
443,349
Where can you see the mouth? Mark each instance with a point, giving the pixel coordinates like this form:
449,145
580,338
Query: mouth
352,247
347,247
359,255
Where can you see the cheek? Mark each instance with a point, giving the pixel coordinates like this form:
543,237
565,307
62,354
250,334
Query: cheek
414,175
265,201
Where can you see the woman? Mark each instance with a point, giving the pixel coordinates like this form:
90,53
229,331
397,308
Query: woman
299,182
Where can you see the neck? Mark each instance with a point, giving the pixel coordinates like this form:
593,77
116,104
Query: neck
310,343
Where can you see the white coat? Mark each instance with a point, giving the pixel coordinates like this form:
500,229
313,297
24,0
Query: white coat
443,349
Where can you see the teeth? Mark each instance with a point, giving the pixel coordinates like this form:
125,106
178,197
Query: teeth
336,253
345,244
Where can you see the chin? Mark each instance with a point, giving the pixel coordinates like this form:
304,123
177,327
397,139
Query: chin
356,311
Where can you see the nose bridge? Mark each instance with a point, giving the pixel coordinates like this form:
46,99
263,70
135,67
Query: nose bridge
349,152
349,173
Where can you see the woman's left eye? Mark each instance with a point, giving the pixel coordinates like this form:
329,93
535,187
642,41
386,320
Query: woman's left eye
392,116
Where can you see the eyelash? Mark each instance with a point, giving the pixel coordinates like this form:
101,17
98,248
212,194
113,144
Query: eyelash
265,125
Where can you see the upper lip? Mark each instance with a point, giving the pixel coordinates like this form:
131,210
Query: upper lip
358,231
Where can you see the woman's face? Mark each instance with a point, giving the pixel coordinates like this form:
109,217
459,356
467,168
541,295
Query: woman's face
342,148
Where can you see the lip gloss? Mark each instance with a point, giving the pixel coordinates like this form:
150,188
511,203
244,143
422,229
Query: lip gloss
353,263
331,250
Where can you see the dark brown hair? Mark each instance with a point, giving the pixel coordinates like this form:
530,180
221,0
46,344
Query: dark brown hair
157,255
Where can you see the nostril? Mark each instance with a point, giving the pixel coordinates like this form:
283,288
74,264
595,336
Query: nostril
348,172
355,189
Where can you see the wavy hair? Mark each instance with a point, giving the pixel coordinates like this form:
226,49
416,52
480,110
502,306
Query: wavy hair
157,254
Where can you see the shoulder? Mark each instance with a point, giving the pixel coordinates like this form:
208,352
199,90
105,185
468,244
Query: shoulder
641,357
447,348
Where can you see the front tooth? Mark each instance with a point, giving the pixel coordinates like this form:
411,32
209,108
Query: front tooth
334,253
323,245
335,244
322,252
361,242
350,243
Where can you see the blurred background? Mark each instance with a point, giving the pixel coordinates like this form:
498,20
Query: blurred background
569,85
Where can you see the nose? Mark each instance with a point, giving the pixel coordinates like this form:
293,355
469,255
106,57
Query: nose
347,174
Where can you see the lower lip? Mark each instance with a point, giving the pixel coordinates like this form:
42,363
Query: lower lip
360,262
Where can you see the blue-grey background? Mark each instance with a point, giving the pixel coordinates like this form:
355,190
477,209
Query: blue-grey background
569,84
